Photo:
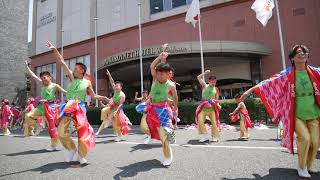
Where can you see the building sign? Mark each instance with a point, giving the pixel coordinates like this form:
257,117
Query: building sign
146,52
46,19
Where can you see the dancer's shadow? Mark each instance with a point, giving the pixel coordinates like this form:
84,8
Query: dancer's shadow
286,151
17,136
136,133
271,139
43,169
135,168
196,142
40,151
277,173
105,136
144,147
233,140
105,142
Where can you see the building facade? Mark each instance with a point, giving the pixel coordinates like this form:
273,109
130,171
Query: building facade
237,48
13,49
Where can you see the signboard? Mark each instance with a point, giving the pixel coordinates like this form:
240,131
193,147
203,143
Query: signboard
46,19
146,52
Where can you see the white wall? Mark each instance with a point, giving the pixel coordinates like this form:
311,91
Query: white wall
232,69
116,14
76,20
48,31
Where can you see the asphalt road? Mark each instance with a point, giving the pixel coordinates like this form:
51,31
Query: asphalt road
259,158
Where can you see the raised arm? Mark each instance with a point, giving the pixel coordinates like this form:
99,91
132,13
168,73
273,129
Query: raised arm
34,76
161,58
60,60
201,78
136,98
110,79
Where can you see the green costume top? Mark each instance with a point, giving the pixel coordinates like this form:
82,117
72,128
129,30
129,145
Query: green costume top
78,88
159,92
117,98
306,107
47,93
207,94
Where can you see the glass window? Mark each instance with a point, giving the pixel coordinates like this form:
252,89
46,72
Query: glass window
156,6
86,61
80,59
54,72
72,64
38,71
177,3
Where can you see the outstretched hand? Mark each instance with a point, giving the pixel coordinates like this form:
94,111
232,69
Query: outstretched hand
27,63
165,47
164,55
50,45
207,71
107,73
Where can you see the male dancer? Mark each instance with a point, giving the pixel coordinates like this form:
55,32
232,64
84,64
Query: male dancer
242,113
159,113
15,117
143,123
293,95
114,111
208,107
28,130
74,110
46,109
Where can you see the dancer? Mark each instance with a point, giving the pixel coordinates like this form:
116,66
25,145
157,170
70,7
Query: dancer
159,113
293,95
74,110
144,98
15,117
5,113
46,109
209,107
143,123
241,113
28,129
113,112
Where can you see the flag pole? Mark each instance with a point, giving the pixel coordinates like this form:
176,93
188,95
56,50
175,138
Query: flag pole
62,72
140,49
280,36
96,50
201,48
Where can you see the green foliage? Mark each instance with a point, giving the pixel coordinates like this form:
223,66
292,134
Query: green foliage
187,111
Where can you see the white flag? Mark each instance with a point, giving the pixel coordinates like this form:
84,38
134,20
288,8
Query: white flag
263,9
193,13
